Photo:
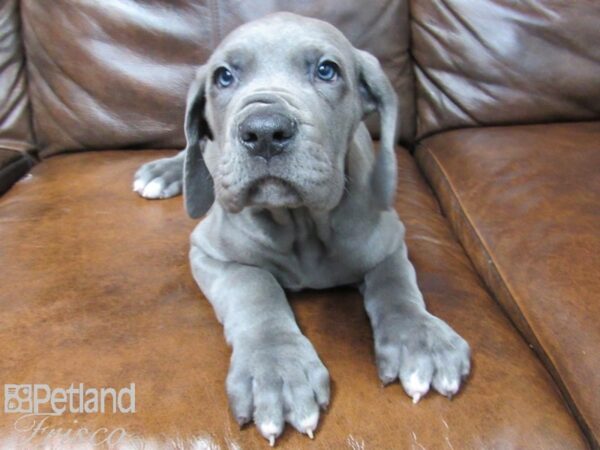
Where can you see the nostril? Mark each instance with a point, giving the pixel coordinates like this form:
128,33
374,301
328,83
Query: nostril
284,133
279,136
249,137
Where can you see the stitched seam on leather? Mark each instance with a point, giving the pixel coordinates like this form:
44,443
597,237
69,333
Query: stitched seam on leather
466,220
30,122
546,359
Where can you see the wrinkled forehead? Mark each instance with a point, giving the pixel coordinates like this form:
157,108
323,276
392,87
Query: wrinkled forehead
283,37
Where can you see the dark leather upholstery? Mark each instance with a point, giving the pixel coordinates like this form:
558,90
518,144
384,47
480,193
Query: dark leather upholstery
95,285
15,119
81,53
525,202
13,165
504,62
17,146
97,289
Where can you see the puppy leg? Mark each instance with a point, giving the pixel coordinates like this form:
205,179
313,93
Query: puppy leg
162,178
411,344
275,375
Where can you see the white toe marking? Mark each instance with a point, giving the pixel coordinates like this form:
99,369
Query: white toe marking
309,424
310,421
138,185
153,189
450,386
269,428
270,431
416,387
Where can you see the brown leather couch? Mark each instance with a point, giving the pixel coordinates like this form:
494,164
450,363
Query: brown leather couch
499,188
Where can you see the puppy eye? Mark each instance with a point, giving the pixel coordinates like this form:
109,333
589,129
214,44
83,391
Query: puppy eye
223,77
328,71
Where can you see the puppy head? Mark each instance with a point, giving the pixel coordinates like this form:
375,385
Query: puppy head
271,115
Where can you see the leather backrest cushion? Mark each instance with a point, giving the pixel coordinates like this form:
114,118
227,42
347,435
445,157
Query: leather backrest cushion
15,119
490,62
114,73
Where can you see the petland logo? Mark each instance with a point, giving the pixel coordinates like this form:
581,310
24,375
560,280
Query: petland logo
41,399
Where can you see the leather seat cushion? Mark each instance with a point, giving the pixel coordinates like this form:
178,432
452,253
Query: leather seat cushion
96,289
525,201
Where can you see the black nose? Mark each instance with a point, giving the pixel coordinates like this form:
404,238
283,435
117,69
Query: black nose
266,134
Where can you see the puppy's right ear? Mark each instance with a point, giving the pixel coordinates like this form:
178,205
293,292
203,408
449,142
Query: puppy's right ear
198,188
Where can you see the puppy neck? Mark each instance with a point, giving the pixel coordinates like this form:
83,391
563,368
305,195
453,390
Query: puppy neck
301,221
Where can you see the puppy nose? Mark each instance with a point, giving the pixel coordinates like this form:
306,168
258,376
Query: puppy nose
266,134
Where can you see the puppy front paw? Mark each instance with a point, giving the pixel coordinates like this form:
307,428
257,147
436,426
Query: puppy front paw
276,380
421,351
162,178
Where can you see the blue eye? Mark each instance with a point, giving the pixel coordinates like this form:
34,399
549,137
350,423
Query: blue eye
223,77
327,71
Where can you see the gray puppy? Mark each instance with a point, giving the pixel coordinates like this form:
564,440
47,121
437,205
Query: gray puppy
275,135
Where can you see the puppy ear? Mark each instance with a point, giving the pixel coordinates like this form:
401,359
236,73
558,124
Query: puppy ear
198,188
378,94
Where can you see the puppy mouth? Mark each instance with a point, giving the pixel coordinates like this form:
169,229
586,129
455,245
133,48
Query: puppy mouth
273,192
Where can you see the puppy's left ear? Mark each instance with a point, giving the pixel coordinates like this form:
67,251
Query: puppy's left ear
198,187
378,94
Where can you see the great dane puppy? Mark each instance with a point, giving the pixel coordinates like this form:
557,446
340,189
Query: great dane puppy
295,197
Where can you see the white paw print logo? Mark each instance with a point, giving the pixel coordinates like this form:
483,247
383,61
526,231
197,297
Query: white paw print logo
17,398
